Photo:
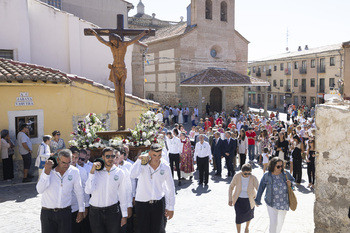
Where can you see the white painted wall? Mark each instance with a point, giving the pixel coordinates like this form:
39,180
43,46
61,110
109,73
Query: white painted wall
43,35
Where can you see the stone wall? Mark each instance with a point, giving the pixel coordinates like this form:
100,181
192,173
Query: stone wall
332,169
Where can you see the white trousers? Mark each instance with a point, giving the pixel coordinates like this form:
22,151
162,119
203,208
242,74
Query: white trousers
276,219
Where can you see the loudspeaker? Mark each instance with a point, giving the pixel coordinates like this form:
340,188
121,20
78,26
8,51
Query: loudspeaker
54,160
102,163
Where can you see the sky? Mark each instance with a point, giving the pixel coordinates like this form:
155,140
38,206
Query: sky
265,23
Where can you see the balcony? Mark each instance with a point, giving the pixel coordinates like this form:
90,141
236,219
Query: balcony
258,74
287,71
269,88
257,88
321,89
321,69
302,71
268,72
287,89
302,88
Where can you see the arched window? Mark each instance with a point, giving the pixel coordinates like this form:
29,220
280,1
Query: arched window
208,9
223,11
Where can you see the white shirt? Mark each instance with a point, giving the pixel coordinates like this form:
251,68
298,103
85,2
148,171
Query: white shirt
128,185
57,190
83,178
23,138
244,191
243,146
43,153
154,184
128,165
4,148
174,145
195,111
202,150
107,188
88,166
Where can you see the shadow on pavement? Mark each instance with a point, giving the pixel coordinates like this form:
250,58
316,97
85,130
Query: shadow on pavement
201,190
304,190
18,193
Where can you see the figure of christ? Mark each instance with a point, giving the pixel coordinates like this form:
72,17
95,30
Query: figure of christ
118,70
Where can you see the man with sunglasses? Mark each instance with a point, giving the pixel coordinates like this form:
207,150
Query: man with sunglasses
82,159
155,192
56,186
108,195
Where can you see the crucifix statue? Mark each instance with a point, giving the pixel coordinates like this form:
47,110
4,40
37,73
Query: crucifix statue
118,46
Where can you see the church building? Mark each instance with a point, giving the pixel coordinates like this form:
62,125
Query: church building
203,60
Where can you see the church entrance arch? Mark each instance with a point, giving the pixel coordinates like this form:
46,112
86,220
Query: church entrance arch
215,100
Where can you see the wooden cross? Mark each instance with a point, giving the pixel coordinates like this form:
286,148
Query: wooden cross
120,31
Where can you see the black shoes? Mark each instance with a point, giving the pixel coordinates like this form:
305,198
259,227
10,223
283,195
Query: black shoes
30,176
26,180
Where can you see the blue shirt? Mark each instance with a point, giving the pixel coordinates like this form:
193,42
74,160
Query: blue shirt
279,193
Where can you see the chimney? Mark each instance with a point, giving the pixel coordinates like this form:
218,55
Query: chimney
299,48
306,47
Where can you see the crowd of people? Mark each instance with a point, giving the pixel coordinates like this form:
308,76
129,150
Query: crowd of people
80,196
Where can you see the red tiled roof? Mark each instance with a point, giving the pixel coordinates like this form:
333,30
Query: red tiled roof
222,77
14,71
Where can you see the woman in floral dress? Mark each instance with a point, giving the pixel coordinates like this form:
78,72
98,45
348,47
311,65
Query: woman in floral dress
57,144
186,157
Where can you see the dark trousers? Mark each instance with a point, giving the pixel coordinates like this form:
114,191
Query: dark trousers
175,158
297,172
150,217
186,118
203,168
83,226
175,119
229,164
242,158
56,222
218,164
7,166
166,119
105,220
311,171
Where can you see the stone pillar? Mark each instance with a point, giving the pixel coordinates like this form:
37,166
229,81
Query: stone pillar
332,168
224,99
199,102
246,99
266,114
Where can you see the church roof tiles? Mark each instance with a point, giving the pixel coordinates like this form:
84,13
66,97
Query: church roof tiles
222,77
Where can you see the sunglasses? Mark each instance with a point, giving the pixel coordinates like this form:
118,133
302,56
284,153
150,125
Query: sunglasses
110,156
279,166
81,159
247,174
58,134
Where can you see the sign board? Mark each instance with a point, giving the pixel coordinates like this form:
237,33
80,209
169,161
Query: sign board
24,99
251,92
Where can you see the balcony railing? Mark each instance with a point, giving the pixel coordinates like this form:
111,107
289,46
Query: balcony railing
269,88
268,72
287,71
258,74
321,89
287,89
302,88
302,71
321,69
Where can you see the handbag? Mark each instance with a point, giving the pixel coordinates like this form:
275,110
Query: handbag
292,198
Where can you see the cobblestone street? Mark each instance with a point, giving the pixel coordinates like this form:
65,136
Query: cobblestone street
197,209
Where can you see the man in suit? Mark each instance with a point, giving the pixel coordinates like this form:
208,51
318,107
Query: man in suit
217,152
230,149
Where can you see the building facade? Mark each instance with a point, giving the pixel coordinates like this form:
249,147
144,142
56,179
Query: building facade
301,77
101,12
44,35
182,50
53,100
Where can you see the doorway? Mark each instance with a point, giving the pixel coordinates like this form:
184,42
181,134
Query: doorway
216,100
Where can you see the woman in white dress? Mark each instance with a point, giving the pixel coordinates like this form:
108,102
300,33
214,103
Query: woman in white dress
181,119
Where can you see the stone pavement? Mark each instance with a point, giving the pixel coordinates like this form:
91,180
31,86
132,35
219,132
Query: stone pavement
197,209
